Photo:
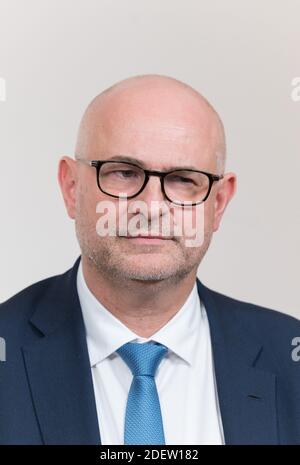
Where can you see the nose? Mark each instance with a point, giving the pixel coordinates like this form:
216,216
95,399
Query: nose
152,191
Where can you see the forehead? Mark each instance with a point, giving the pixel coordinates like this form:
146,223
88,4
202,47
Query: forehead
156,126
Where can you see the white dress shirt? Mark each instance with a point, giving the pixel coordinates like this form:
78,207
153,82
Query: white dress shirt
185,377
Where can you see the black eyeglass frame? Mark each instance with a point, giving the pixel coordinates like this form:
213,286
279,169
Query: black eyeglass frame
161,174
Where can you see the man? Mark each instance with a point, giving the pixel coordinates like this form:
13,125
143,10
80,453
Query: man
128,346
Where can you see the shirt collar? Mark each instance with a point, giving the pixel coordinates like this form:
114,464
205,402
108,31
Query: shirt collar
105,333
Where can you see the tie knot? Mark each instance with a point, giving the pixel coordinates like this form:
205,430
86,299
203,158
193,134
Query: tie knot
142,358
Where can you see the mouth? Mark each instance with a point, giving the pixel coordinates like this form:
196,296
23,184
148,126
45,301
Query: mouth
139,239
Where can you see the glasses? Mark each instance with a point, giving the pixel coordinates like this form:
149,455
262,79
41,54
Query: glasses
181,187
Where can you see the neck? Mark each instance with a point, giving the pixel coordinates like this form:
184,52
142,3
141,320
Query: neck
143,306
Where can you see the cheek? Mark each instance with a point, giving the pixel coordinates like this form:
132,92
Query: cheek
209,214
86,202
193,219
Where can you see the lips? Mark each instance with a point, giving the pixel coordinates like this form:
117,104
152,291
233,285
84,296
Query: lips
148,237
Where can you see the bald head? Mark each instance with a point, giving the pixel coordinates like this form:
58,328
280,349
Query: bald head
160,109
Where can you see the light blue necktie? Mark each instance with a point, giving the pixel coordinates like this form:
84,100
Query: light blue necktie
143,421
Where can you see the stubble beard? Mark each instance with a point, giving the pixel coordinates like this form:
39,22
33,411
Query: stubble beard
120,262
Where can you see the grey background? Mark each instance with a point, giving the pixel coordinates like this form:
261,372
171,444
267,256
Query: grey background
242,55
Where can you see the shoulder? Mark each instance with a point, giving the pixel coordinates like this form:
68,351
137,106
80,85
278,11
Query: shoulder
250,311
267,324
19,308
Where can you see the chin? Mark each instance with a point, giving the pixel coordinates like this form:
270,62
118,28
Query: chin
149,273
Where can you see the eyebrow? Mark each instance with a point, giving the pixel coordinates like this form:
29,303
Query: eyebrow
140,163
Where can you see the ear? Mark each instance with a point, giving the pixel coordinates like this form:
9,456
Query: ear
67,178
223,196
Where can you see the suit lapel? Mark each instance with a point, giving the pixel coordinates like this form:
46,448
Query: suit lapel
246,393
58,368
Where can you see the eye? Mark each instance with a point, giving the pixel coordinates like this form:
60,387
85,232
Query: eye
125,173
180,179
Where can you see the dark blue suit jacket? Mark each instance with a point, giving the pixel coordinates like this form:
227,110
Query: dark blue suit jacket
46,389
